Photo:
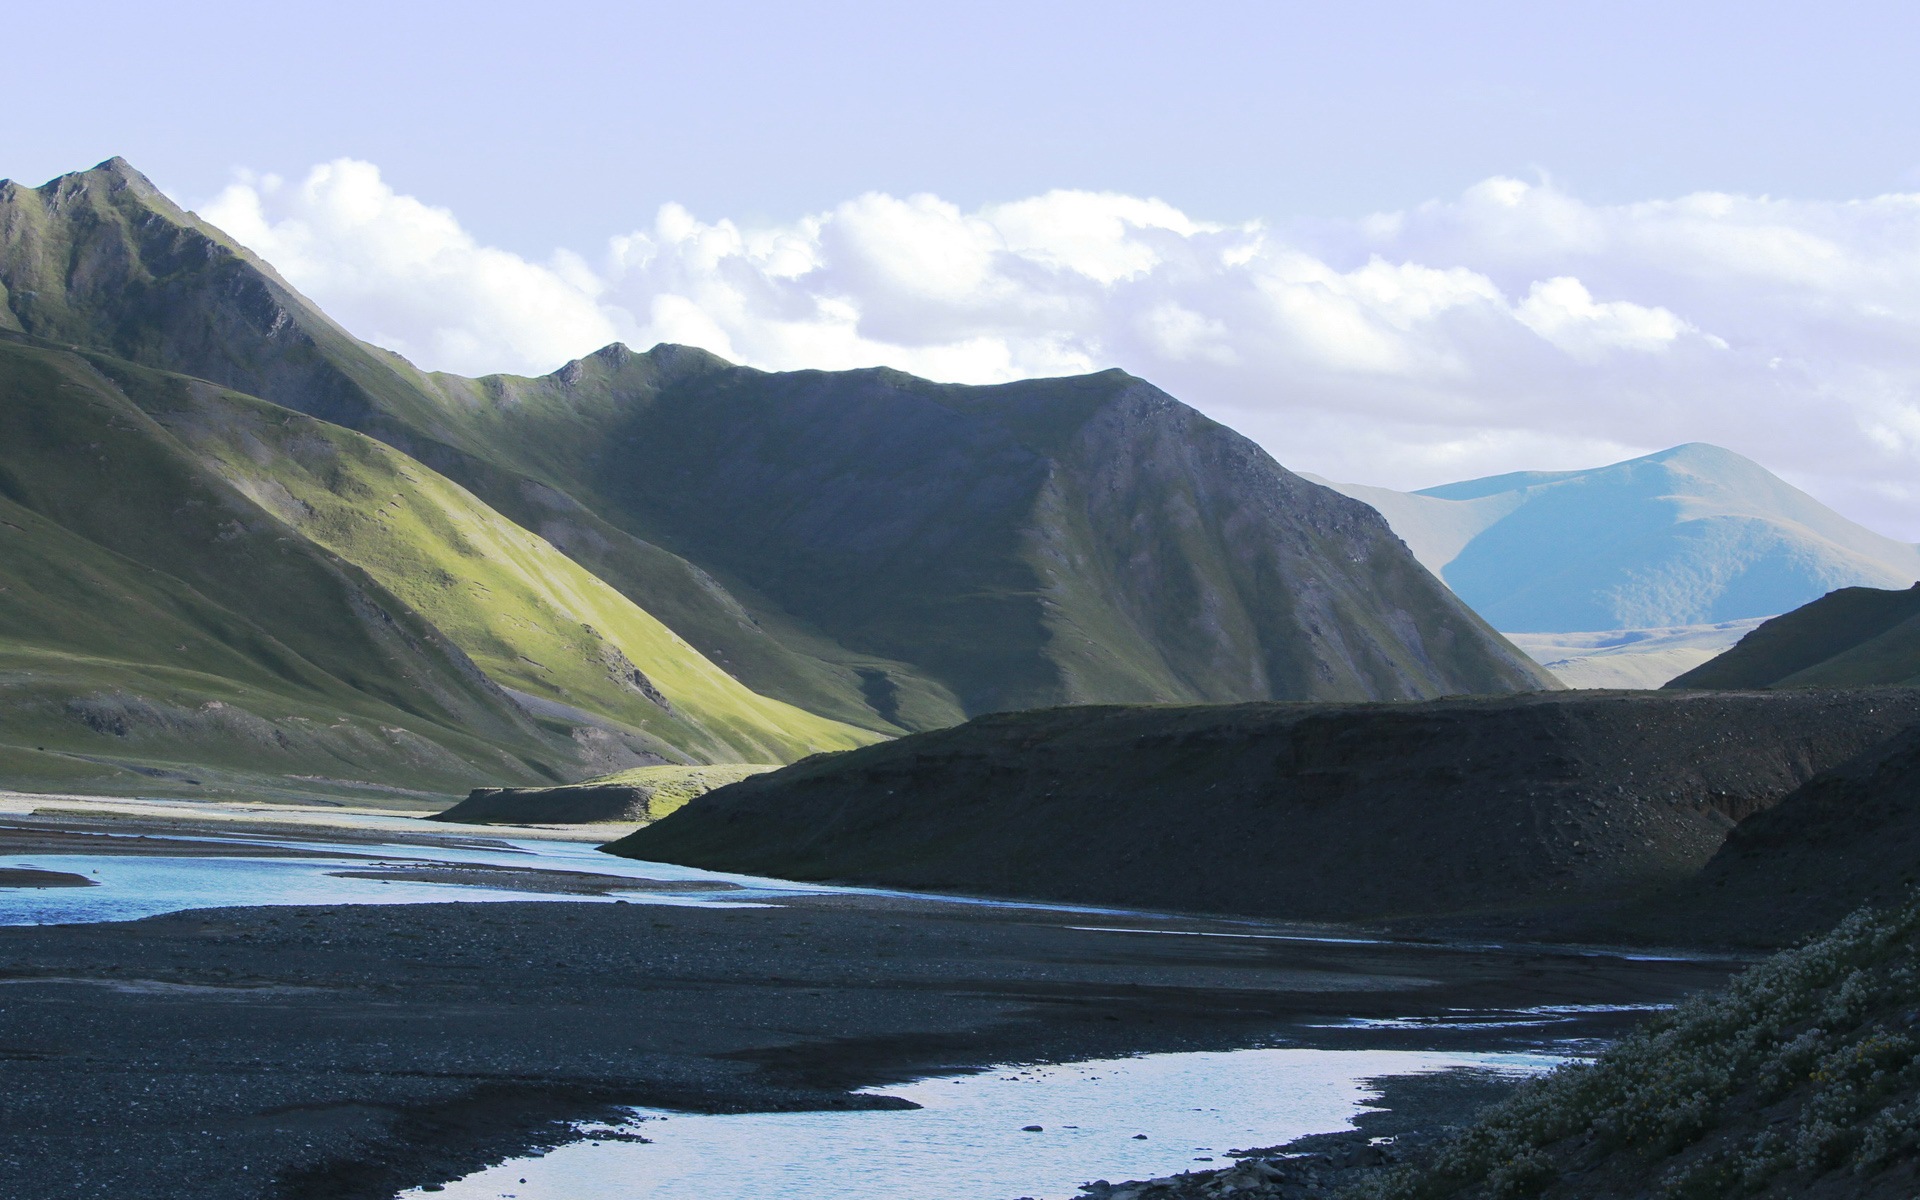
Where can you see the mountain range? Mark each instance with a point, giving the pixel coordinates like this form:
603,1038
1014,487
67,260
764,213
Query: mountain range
245,546
1691,536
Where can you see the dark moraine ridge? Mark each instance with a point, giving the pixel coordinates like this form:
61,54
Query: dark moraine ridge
1472,806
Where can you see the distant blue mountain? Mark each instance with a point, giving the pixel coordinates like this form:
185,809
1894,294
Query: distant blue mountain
1689,536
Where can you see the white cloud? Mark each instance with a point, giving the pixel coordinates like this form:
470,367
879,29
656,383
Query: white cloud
407,276
1514,326
1562,311
1179,333
1092,233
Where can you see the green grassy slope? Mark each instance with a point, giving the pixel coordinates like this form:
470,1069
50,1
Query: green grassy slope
1800,1079
562,436
100,259
1850,637
838,554
532,618
202,593
157,626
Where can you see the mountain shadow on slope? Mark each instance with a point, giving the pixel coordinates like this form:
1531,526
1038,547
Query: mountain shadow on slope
1323,812
1847,638
980,548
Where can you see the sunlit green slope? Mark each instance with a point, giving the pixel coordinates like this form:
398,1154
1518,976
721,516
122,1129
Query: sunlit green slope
533,619
201,593
160,632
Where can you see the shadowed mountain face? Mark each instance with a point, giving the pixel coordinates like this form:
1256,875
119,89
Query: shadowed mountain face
1847,638
1047,542
867,546
1689,536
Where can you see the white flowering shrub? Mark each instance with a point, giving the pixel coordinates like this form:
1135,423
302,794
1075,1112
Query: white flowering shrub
1808,1062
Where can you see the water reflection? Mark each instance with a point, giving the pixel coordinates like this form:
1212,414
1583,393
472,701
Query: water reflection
319,872
132,886
972,1137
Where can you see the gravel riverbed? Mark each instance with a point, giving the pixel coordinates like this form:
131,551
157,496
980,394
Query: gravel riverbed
350,1052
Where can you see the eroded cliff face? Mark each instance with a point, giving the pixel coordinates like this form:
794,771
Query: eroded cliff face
1848,837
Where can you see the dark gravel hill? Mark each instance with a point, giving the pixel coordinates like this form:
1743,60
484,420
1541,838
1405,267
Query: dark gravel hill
1450,807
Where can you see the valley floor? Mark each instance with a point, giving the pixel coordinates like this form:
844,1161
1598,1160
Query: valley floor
351,1051
1631,658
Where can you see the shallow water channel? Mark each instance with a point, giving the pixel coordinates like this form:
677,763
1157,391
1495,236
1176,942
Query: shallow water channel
131,886
971,1139
128,887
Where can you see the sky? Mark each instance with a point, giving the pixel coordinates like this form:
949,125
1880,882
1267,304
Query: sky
1396,243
